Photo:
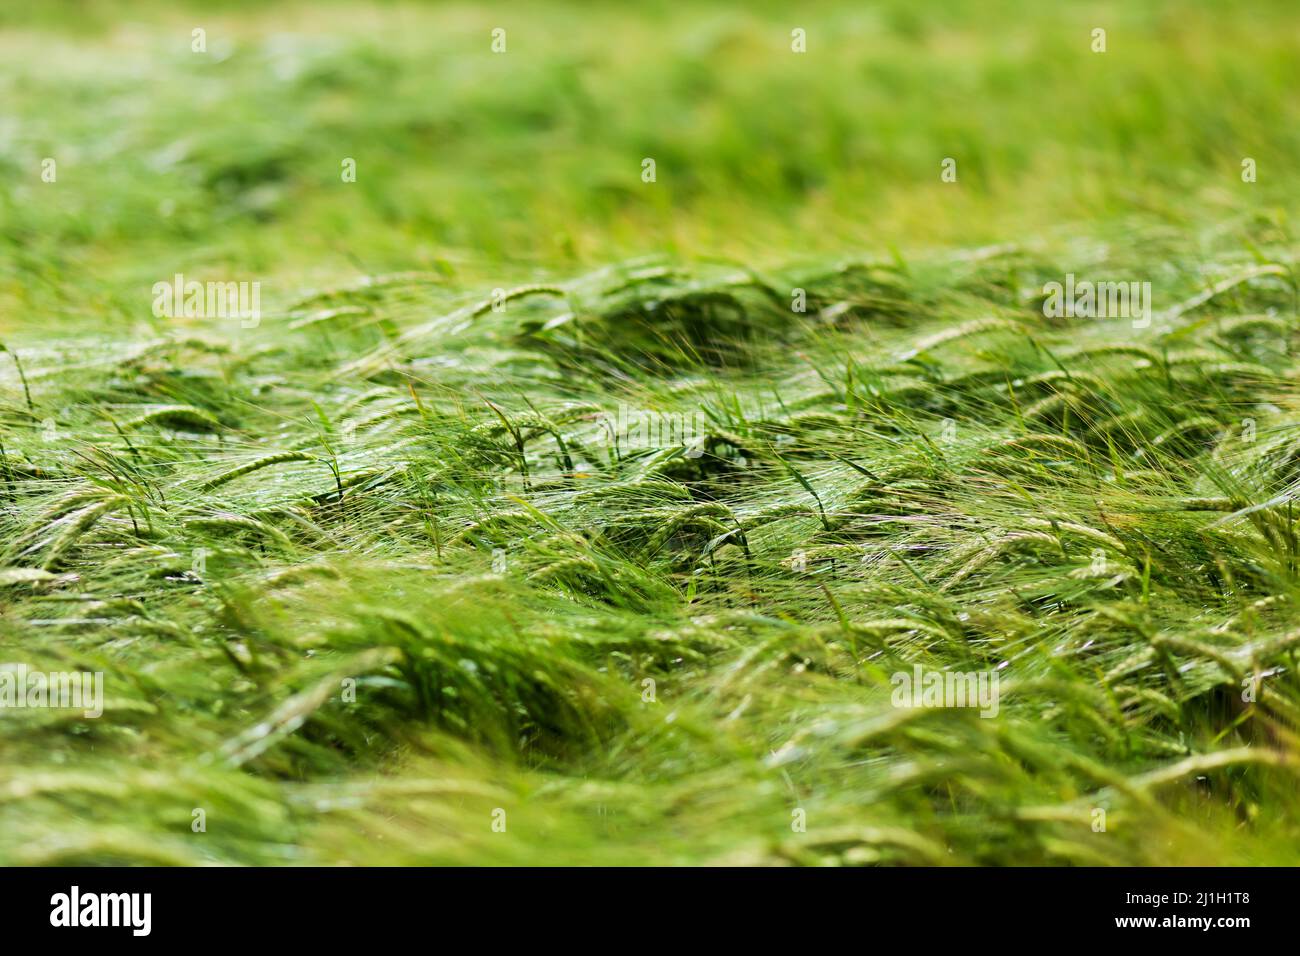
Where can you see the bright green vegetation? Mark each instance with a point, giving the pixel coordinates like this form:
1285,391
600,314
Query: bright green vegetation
364,573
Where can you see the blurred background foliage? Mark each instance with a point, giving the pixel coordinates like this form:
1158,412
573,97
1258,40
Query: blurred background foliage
227,163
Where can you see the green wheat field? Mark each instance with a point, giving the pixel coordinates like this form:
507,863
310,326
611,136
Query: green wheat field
635,391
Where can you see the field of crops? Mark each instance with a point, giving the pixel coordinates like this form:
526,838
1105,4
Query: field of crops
553,433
